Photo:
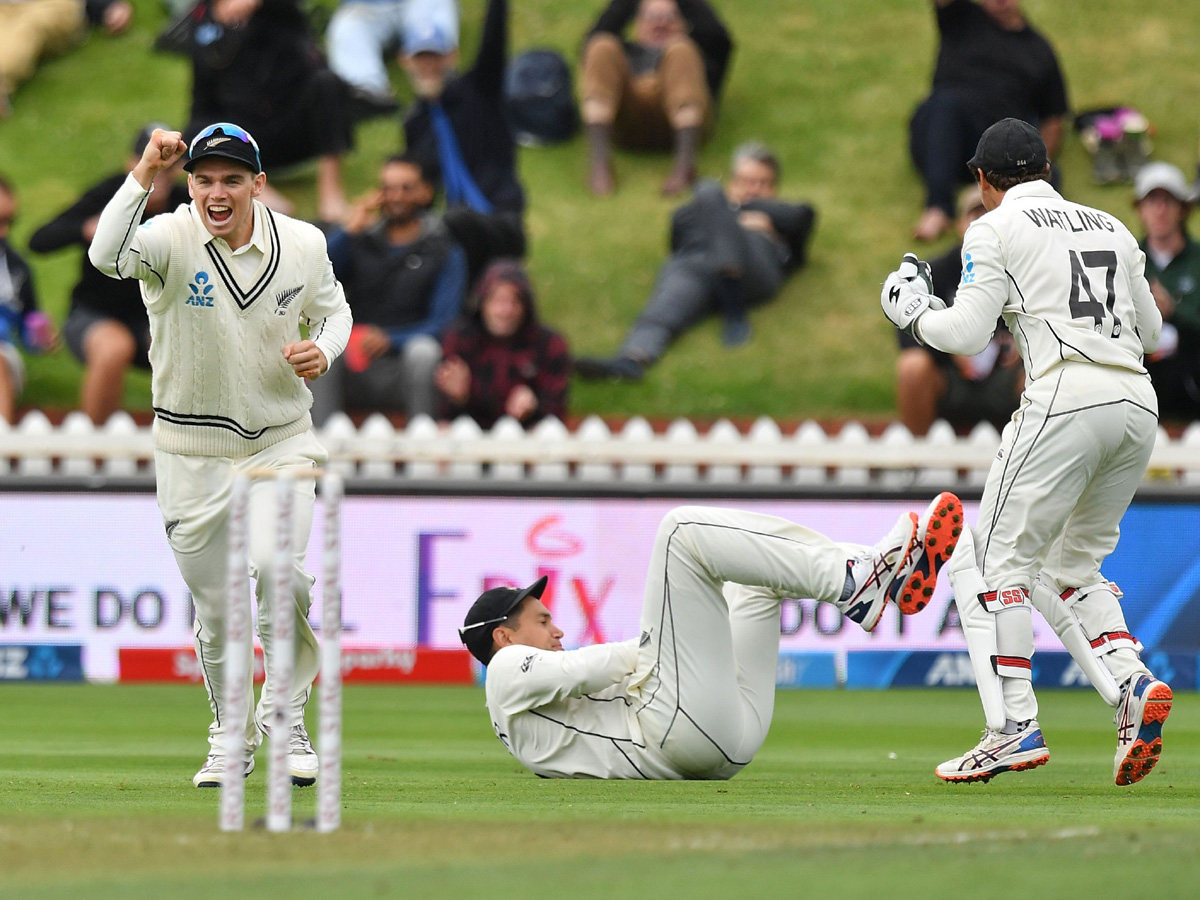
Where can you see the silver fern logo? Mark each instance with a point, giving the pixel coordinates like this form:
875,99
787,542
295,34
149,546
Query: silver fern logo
284,299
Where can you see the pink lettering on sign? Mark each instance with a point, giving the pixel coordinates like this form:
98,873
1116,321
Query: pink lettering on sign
591,606
547,540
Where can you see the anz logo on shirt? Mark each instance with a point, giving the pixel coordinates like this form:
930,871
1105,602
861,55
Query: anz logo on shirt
200,291
968,270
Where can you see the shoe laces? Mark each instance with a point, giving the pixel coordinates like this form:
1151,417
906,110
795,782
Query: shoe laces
299,739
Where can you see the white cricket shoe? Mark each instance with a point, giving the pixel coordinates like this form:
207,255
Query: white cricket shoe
1139,719
874,571
213,771
302,760
938,531
302,757
998,753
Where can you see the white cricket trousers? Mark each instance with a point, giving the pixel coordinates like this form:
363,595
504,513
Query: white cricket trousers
1068,467
193,496
705,679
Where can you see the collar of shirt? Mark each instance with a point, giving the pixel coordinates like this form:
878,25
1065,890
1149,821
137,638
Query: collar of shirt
258,237
1032,189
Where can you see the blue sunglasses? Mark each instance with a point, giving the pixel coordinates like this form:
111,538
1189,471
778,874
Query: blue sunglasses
228,129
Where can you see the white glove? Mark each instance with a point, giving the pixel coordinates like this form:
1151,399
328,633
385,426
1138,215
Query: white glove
908,293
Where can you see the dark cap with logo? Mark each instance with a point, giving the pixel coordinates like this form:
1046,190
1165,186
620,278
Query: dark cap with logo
1010,147
492,608
226,140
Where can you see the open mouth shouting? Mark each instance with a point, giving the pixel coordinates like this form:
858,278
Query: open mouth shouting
220,214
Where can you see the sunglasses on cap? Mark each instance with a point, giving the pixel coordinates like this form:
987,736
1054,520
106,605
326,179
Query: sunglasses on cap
464,631
226,129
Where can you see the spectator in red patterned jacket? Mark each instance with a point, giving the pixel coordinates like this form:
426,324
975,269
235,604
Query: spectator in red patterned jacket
498,359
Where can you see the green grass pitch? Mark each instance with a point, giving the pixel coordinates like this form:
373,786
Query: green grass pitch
97,803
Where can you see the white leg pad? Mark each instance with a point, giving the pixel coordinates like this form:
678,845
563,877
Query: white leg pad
1014,631
979,627
1091,624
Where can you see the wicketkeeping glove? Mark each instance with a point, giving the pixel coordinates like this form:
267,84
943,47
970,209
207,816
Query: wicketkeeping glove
908,293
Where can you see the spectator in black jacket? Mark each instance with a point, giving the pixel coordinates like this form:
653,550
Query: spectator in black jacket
991,64
656,92
255,63
731,249
459,132
107,328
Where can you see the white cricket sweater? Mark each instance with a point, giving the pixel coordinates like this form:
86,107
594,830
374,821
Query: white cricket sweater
568,713
220,384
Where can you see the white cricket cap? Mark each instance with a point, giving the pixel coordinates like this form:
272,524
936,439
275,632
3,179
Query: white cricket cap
1161,176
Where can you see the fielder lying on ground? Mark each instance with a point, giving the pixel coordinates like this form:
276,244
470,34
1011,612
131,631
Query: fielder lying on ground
692,697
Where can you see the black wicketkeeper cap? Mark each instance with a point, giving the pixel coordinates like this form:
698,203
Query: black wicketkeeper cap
492,608
1010,147
227,140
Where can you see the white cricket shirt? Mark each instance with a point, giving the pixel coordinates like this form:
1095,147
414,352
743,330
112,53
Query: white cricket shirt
1069,281
567,714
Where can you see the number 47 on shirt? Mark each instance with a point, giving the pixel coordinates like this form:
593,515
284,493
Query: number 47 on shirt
1081,284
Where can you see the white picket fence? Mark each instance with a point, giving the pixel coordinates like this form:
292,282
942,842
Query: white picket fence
590,455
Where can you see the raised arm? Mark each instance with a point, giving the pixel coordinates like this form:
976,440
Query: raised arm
119,248
490,60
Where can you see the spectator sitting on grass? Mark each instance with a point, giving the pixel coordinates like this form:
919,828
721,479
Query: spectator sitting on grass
991,64
731,250
259,66
33,29
499,360
20,319
656,92
362,33
404,279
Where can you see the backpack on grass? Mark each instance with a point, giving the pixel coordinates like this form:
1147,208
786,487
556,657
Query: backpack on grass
540,98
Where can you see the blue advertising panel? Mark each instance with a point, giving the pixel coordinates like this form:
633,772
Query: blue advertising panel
41,662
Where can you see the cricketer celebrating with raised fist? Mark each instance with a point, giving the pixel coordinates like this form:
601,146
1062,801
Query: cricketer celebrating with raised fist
1069,281
227,284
